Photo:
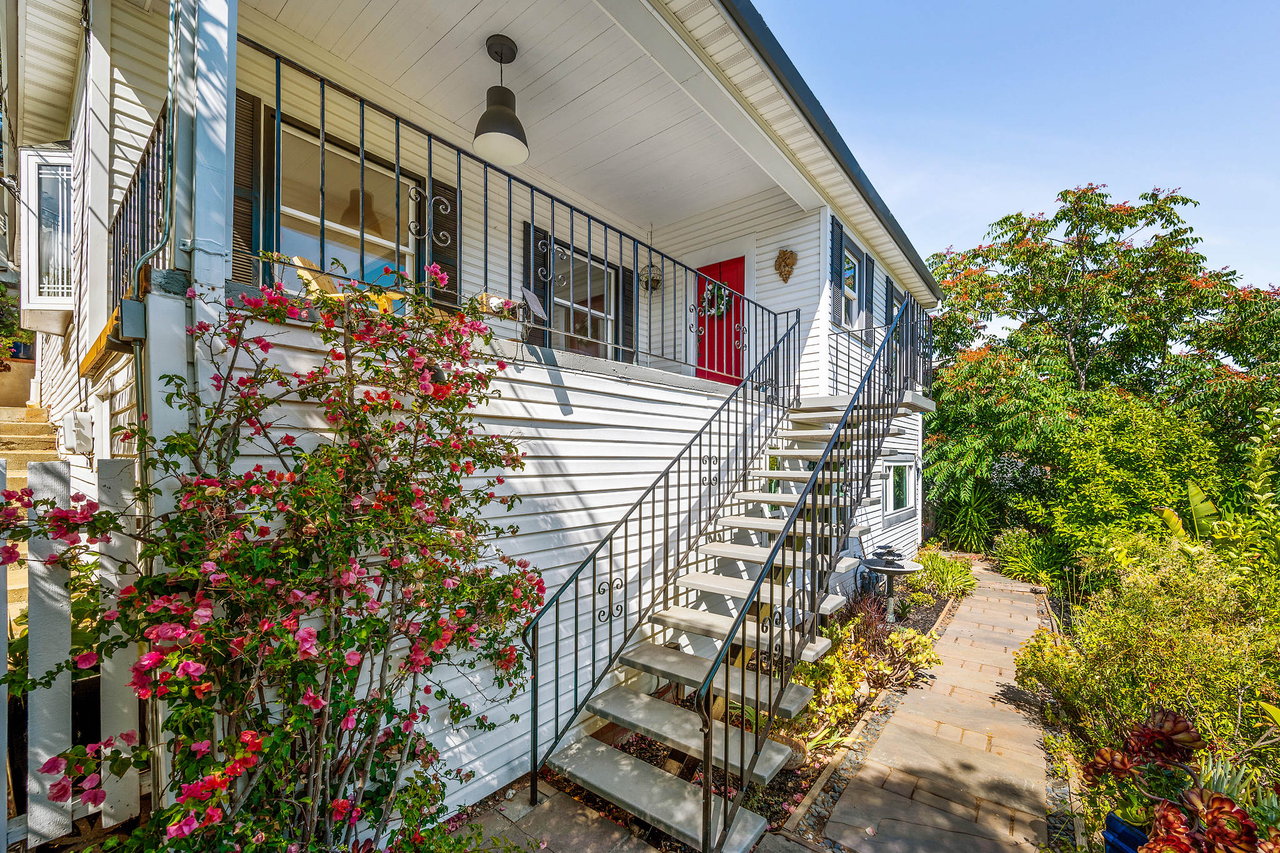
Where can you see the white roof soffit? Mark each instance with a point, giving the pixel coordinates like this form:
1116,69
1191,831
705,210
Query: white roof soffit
50,38
671,51
715,44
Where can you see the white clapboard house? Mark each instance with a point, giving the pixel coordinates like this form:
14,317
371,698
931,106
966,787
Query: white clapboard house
722,351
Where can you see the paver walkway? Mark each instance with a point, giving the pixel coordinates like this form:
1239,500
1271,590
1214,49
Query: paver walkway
558,824
959,767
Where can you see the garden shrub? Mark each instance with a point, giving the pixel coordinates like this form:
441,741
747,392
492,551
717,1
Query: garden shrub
1120,459
868,655
1171,633
946,577
1031,558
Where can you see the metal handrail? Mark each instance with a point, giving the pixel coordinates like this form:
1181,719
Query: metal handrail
899,365
772,384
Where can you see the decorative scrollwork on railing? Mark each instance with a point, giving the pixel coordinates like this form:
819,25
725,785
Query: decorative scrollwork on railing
612,609
713,462
442,205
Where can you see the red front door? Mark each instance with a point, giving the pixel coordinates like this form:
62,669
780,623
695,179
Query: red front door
720,320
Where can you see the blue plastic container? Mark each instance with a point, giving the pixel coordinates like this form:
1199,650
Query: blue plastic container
1122,837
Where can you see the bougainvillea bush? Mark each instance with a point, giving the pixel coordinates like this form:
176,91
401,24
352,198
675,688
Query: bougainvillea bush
317,566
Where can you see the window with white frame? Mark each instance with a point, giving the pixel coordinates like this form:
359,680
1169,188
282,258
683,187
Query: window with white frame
850,307
901,487
46,228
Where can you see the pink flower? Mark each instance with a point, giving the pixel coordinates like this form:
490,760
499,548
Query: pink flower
54,766
450,583
349,721
353,658
312,700
307,646
130,737
184,827
86,660
93,780
190,669
111,615
201,748
60,791
93,797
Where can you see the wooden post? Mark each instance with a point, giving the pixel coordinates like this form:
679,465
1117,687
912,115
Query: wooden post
48,644
119,705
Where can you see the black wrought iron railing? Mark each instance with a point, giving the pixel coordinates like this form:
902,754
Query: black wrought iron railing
138,222
850,352
769,635
576,638
331,181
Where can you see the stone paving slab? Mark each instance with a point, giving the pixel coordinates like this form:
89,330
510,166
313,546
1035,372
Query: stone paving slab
558,824
959,767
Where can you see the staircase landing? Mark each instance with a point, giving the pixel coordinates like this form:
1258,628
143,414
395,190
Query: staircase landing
25,436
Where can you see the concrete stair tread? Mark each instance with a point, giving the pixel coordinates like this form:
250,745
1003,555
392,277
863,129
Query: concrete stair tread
669,803
758,554
796,476
825,435
816,453
717,627
775,525
911,400
681,728
689,670
23,413
790,499
831,416
770,593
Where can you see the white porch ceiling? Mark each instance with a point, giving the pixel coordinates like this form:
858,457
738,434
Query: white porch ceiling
602,116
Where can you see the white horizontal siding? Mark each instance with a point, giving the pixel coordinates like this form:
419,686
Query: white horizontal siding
139,83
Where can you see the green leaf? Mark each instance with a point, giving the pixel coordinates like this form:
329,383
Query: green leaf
1203,510
1174,522
1271,712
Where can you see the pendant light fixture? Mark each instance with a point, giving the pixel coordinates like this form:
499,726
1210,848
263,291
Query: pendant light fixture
500,137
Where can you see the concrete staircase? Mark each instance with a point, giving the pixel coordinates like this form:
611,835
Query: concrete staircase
25,436
652,794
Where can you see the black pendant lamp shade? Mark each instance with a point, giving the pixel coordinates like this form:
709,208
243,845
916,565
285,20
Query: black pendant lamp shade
499,136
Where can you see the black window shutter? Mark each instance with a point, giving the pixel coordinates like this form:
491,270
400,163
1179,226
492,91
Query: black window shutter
627,317
866,302
888,300
537,277
837,271
244,203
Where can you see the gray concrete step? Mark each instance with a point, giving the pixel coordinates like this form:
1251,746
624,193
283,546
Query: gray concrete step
912,401
824,435
689,670
775,525
759,554
816,453
671,804
772,594
796,476
717,627
790,499
681,728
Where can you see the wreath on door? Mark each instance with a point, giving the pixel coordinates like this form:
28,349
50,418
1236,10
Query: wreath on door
716,298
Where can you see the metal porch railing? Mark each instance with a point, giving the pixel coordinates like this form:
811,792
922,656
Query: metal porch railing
137,224
328,179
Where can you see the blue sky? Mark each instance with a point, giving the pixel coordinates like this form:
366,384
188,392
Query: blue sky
961,112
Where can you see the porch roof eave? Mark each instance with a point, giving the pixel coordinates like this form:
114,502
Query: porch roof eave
738,45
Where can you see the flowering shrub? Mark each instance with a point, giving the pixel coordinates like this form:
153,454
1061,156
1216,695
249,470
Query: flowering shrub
319,569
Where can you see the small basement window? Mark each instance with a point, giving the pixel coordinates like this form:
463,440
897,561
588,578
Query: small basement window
901,487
